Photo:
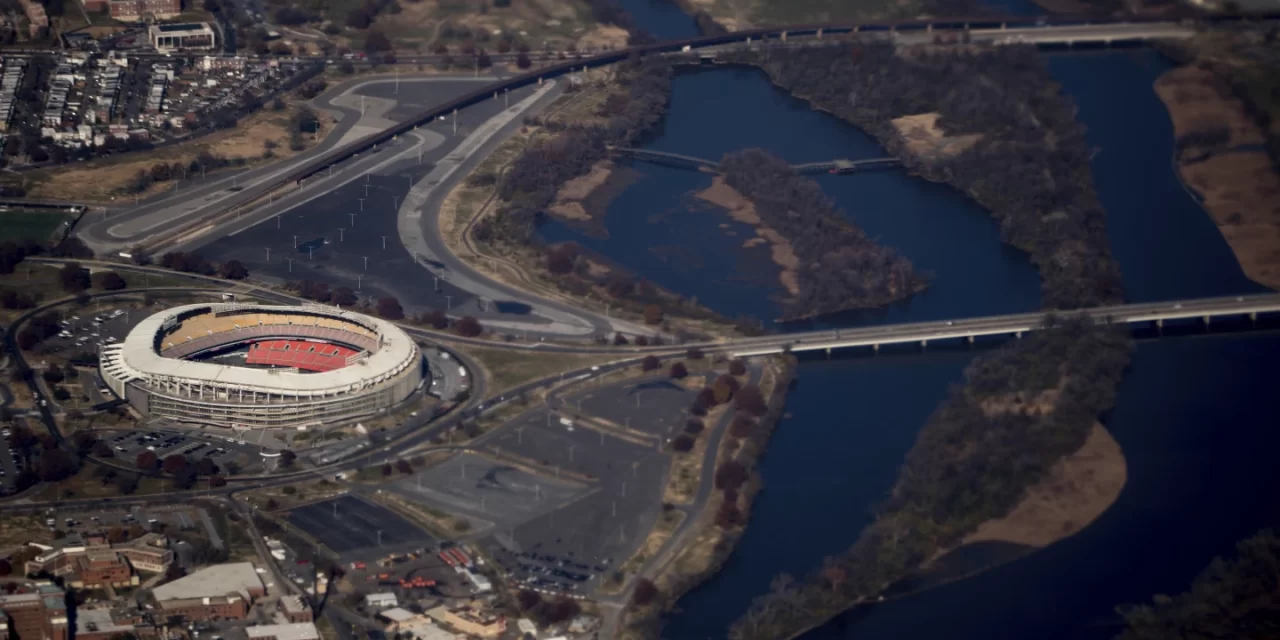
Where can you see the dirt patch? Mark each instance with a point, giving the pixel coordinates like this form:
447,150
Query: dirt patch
1078,489
740,208
1238,187
1241,191
570,197
604,36
925,139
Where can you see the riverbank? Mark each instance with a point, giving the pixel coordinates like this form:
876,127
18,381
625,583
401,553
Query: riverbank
720,523
1220,156
1020,428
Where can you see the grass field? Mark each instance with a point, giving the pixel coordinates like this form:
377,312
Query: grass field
507,368
19,224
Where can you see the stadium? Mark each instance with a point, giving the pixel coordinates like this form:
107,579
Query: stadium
247,366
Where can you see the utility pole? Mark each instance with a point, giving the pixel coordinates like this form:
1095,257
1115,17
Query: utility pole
295,242
384,243
366,263
353,220
268,254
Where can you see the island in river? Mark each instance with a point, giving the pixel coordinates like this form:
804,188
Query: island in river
1228,140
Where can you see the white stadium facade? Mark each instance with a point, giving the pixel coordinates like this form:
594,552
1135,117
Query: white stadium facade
251,366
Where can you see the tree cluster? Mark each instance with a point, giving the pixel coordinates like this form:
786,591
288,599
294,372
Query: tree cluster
195,263
1232,598
1030,166
968,465
840,266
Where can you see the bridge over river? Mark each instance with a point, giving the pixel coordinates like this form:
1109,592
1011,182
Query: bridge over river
1154,314
703,164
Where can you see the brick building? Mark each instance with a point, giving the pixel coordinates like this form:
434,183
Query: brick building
38,615
291,631
220,591
294,609
92,562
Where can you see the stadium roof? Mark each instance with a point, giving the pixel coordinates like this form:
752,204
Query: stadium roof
138,351
217,580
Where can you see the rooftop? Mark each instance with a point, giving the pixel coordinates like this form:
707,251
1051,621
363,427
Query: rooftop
398,615
179,28
99,621
291,631
220,579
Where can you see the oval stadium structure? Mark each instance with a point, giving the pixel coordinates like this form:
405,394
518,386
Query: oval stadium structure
262,366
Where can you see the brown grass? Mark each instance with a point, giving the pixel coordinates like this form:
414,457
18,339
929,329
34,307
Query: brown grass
1240,189
1078,489
928,141
569,198
741,209
107,178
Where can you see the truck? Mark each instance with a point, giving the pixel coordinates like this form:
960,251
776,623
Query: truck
462,371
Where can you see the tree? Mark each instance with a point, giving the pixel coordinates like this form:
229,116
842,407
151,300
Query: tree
653,314
102,450
483,60
742,426
53,376
376,41
287,458
217,481
146,462
731,475
619,339
523,61
343,297
469,327
679,371
5,567
650,363
110,281
750,400
56,464
386,469
233,270
528,599
694,426
127,483
404,467
174,464
74,278
682,443
694,353
645,593
723,388
560,259
737,367
389,308
729,515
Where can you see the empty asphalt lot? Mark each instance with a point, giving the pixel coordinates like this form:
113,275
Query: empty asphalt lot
355,526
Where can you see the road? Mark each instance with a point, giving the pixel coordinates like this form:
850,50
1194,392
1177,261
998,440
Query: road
121,227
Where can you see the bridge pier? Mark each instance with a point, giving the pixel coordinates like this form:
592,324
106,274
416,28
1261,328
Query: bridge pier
970,339
1206,320
924,344
1017,334
1004,26
539,81
1253,317
1160,323
875,348
819,33
783,37
928,28
828,353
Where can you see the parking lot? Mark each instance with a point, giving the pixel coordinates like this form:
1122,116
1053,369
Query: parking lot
489,492
654,405
84,332
11,463
566,550
349,523
229,456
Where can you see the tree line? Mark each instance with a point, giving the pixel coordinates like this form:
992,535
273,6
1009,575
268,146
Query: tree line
1235,597
1030,167
840,267
972,462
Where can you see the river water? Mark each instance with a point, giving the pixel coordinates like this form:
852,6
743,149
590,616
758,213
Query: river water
1192,414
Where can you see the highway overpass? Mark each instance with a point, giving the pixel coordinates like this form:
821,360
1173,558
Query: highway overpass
922,333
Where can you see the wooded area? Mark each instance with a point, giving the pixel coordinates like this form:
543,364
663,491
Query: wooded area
1232,598
1030,167
839,268
1019,410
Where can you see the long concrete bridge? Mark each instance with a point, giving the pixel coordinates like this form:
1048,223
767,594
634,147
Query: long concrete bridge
703,164
1153,314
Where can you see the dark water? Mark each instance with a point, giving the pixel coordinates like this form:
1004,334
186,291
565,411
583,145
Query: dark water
1193,414
664,19
716,111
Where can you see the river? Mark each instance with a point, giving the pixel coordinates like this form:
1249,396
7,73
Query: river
1191,413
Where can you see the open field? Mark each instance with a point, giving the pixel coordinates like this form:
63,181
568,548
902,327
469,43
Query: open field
18,224
507,368
108,178
99,481
741,14
538,23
